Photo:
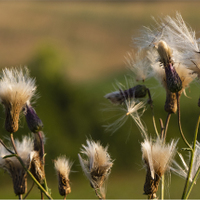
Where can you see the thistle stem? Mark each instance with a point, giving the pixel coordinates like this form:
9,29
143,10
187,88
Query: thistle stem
30,174
191,161
166,127
152,110
179,121
20,196
163,187
29,191
192,184
1,141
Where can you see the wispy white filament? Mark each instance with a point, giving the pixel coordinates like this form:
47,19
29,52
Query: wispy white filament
16,85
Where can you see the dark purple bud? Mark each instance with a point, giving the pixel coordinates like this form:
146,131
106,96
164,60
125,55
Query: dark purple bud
139,91
34,122
174,83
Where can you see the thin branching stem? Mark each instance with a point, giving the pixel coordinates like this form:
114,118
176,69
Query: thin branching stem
161,128
30,174
179,121
20,196
192,184
166,126
1,141
191,161
98,195
152,110
29,191
163,187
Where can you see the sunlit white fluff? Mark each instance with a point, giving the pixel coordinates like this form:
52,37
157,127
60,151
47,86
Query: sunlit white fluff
96,164
63,166
186,75
14,167
131,108
139,64
158,156
16,85
182,170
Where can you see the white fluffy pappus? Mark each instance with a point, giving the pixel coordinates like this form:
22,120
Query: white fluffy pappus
158,156
131,108
96,165
16,85
182,171
14,167
63,166
139,64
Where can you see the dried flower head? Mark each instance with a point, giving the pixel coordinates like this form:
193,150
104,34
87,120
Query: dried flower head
183,171
16,88
157,158
63,167
96,166
14,167
37,157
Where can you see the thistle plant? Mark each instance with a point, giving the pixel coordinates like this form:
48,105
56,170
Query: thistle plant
168,52
96,166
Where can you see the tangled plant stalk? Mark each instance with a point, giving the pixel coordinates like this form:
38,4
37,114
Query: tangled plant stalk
168,52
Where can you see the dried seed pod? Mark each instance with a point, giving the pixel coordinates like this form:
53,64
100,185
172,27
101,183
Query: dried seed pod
63,185
37,167
12,116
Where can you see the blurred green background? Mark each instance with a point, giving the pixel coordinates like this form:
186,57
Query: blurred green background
76,52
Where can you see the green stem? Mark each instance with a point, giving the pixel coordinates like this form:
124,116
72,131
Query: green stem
152,110
163,187
166,127
29,191
191,161
1,141
30,174
179,121
192,184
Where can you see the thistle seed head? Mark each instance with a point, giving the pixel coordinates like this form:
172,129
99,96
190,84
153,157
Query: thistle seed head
63,167
37,166
16,88
157,158
97,165
14,167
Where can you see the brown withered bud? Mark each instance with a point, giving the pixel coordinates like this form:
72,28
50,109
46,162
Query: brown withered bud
151,185
171,102
12,116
